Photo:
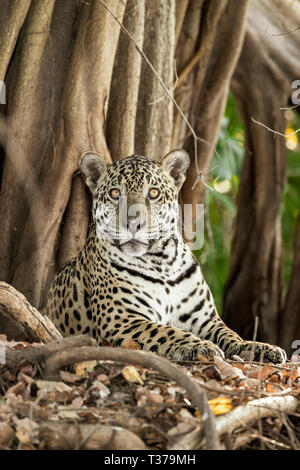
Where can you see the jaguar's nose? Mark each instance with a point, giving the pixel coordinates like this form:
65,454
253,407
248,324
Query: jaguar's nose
135,224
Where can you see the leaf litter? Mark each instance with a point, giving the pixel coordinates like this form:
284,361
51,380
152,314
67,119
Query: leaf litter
145,402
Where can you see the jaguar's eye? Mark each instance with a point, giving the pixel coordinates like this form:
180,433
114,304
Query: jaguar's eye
153,193
114,194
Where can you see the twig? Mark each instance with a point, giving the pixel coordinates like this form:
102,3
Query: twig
272,130
171,90
289,108
189,67
201,178
293,439
287,32
248,436
256,321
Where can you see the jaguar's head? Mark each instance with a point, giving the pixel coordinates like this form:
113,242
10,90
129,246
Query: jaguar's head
135,200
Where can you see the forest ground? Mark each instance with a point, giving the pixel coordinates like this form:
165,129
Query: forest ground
103,404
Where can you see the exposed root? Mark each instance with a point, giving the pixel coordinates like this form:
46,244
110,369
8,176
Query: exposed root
18,315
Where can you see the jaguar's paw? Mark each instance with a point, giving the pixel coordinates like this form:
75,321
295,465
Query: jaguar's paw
198,351
255,351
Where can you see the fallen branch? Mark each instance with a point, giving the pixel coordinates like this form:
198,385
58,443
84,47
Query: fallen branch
262,408
144,359
19,315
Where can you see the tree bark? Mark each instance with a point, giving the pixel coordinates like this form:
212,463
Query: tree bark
13,14
154,107
20,321
123,101
220,22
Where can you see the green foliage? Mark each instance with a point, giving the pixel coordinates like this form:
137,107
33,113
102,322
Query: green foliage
290,206
220,207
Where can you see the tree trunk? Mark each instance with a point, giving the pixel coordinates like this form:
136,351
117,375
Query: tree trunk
204,90
77,82
81,91
60,86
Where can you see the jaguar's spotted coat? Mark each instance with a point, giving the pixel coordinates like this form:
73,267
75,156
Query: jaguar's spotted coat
146,286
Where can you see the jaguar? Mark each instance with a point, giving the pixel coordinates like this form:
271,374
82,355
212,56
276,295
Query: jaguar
136,279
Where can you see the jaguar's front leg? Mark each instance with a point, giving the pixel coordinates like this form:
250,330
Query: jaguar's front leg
232,344
164,340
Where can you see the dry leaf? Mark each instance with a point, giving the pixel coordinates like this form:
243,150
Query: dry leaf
16,389
182,428
77,402
105,343
67,414
130,344
98,389
186,414
83,368
131,374
242,367
26,431
291,375
6,434
51,386
69,377
142,401
220,405
155,396
261,373
227,370
270,388
103,378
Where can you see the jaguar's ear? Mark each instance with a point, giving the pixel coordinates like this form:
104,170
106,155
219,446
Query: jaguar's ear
92,166
176,163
